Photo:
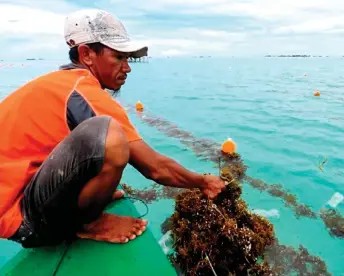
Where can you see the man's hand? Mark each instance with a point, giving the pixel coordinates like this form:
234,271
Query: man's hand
213,185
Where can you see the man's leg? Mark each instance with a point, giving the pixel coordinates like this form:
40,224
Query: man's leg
73,186
99,192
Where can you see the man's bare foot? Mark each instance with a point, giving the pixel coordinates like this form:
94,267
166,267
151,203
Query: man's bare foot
114,229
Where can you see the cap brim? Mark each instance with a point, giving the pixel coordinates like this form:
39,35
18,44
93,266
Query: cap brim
135,49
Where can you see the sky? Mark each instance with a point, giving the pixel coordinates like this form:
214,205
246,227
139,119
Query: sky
245,28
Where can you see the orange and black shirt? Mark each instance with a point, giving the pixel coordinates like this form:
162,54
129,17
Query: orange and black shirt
35,118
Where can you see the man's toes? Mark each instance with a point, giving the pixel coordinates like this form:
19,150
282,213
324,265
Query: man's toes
124,239
139,228
142,222
116,239
143,228
118,194
138,232
132,236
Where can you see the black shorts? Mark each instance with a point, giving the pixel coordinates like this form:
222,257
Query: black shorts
50,203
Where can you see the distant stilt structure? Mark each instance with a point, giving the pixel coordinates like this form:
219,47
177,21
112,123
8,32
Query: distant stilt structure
141,59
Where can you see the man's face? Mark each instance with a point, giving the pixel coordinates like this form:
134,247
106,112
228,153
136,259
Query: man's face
110,67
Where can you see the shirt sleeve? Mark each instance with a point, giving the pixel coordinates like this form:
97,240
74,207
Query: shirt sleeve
115,110
102,103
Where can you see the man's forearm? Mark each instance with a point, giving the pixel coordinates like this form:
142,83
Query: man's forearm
170,173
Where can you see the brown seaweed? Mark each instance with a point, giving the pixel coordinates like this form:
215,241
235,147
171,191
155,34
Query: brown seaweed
152,193
286,260
222,237
148,194
333,221
218,235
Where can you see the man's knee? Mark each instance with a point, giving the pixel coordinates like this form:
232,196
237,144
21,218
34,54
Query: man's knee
103,132
90,133
117,146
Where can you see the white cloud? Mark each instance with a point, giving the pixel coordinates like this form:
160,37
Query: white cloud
194,41
57,6
38,17
172,52
214,33
286,14
35,26
21,20
211,34
40,23
326,25
298,16
266,9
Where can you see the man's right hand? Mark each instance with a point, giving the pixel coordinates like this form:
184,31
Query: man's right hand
212,186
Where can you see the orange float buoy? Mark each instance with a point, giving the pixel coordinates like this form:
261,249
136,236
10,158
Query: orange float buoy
228,146
139,106
317,93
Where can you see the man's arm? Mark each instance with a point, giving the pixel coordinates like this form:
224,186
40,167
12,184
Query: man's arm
162,169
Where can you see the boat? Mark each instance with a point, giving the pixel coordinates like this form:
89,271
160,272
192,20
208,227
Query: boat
142,256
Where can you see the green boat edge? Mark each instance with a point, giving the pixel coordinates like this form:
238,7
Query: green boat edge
142,256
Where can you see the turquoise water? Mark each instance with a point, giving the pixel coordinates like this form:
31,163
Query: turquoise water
267,106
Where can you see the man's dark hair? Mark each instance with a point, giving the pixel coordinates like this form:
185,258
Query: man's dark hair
96,47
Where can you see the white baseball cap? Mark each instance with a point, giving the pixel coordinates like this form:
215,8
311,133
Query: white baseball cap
93,25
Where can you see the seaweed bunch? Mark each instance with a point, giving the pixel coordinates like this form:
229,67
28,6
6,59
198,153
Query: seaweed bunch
219,236
222,237
333,221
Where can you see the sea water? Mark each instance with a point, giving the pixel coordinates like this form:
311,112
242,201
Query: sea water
267,106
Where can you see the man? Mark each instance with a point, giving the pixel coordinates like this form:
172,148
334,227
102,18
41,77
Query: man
65,142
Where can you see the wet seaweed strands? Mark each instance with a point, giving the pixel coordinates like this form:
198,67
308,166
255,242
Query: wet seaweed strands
153,192
333,221
286,260
148,194
290,200
222,237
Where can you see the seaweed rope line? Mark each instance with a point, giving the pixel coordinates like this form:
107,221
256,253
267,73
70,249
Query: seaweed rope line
69,243
249,180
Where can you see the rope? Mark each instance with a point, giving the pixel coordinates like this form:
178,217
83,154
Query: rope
135,198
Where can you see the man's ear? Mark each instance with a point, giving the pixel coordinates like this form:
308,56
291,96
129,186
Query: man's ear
85,54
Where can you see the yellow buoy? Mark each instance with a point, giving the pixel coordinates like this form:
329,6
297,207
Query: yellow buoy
139,106
228,146
317,93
